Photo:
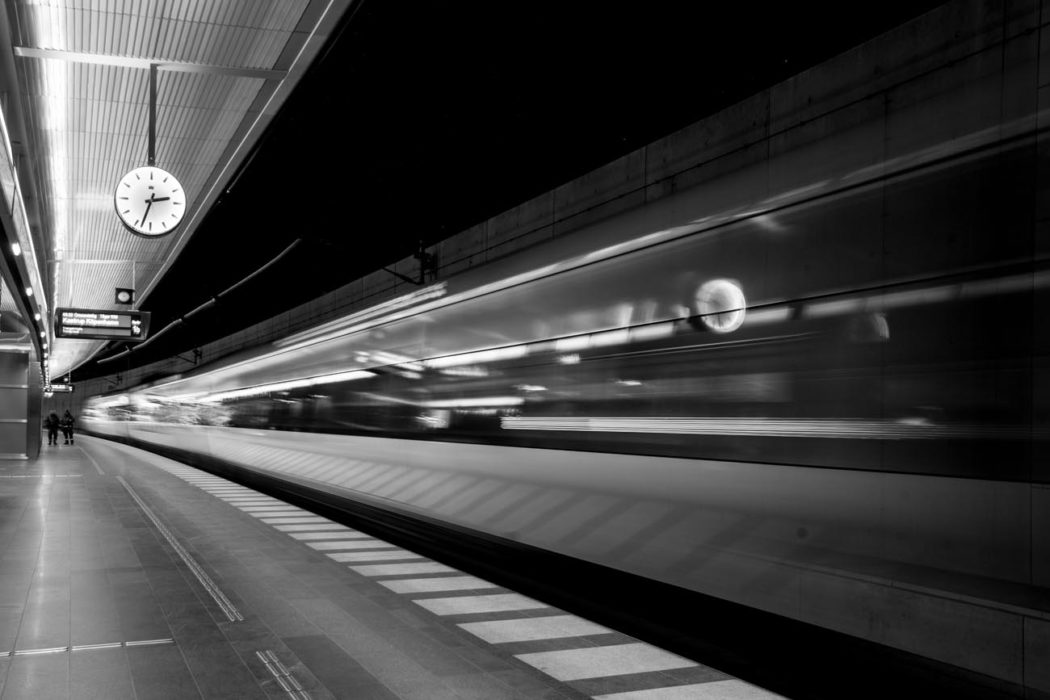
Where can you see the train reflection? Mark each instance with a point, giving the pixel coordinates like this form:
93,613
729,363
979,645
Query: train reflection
810,342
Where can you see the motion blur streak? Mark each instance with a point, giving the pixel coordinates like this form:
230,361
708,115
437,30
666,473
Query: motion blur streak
278,386
852,429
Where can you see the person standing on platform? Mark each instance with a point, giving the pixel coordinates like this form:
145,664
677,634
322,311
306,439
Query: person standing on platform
67,427
51,423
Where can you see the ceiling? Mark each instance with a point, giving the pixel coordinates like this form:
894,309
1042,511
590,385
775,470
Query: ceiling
82,70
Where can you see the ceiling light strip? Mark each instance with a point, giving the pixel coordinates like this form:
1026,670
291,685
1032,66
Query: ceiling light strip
145,63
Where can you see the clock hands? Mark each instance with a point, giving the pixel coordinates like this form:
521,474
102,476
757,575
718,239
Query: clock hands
149,203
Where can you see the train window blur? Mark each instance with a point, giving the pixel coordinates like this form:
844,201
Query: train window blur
864,342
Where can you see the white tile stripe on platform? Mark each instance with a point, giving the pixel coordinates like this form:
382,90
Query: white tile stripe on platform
375,555
267,508
319,527
531,629
346,533
251,500
280,514
432,585
599,662
428,567
348,544
249,506
464,605
715,690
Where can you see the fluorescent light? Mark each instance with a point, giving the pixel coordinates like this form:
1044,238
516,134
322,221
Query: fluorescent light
482,402
16,249
29,291
37,315
579,342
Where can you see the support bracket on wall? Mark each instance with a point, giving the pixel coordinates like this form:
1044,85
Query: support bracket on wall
427,264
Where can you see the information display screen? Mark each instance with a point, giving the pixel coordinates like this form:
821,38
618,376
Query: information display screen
59,388
98,324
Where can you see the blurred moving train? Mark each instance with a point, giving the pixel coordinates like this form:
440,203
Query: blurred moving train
829,403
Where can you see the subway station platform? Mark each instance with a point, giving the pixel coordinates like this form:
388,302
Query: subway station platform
127,575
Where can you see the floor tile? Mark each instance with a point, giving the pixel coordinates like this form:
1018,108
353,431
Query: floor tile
340,674
592,662
431,585
348,544
533,628
337,535
716,690
44,676
321,527
463,605
100,674
429,567
378,555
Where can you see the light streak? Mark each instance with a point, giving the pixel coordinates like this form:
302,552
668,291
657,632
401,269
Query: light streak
903,429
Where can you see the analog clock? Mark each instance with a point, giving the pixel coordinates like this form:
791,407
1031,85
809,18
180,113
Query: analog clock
150,202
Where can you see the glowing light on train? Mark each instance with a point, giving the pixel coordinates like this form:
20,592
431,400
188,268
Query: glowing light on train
721,305
479,357
778,314
478,402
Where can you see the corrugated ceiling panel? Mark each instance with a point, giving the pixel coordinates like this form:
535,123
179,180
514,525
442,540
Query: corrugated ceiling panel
90,123
244,34
267,14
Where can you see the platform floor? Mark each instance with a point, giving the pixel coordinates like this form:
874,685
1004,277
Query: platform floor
127,575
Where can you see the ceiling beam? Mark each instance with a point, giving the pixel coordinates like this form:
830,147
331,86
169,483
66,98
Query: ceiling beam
146,63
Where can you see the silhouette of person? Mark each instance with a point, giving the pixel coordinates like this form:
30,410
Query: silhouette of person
67,427
51,423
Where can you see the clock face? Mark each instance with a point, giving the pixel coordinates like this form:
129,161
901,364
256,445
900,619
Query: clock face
150,202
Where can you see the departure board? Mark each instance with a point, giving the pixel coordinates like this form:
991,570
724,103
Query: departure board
59,388
101,324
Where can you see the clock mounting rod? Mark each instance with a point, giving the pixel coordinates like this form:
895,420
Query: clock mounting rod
152,155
